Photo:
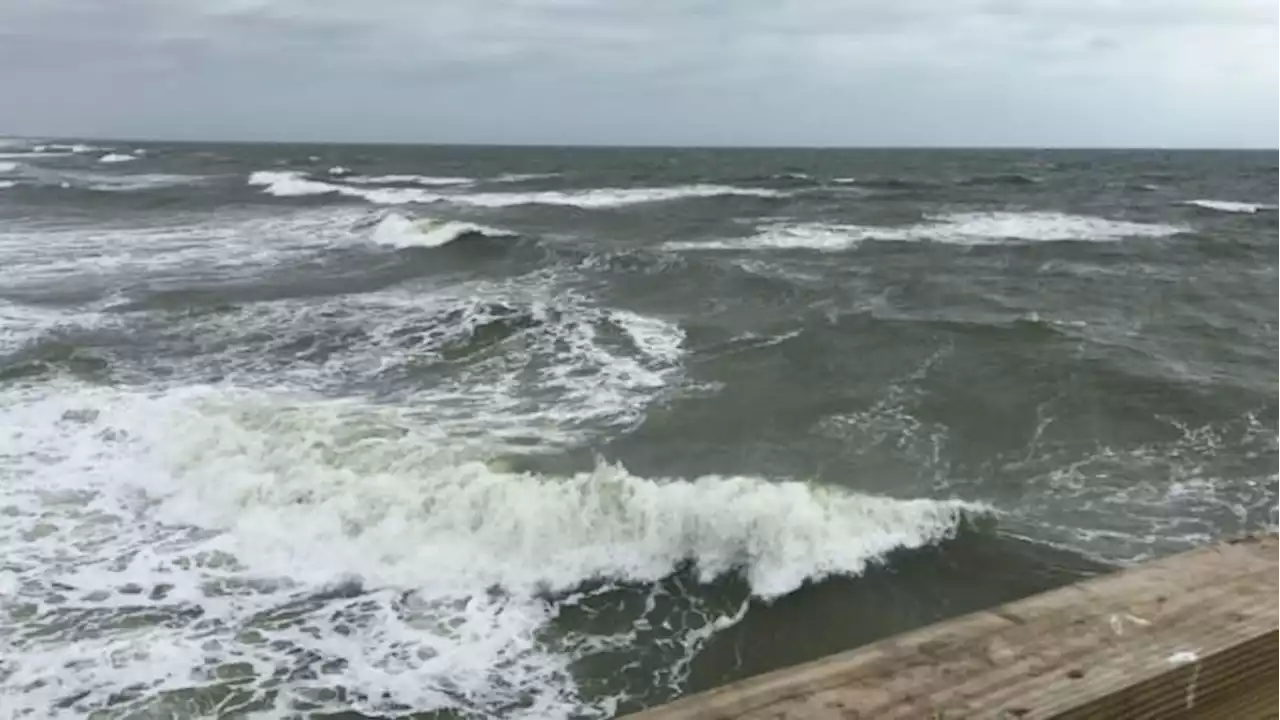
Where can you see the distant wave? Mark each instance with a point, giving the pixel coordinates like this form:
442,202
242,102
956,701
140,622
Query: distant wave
296,184
396,230
954,228
73,148
609,197
127,183
116,158
908,183
1231,206
440,180
289,183
428,180
999,179
522,177
33,154
886,183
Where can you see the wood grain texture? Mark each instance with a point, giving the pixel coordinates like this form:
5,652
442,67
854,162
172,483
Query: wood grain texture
1189,636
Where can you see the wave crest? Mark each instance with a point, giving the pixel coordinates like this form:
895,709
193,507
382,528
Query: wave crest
398,231
310,534
295,184
1231,206
954,228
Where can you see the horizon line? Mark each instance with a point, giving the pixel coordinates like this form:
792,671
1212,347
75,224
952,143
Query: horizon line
624,146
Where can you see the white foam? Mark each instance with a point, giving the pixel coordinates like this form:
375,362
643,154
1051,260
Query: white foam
116,158
339,170
977,228
608,197
542,365
6,184
77,148
34,254
241,503
20,324
396,230
522,177
954,228
287,183
32,154
293,183
8,167
1231,206
428,180
131,183
806,236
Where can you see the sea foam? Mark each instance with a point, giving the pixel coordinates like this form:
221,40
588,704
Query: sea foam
250,530
1231,206
396,230
953,228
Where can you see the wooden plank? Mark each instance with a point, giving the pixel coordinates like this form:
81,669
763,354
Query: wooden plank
1192,635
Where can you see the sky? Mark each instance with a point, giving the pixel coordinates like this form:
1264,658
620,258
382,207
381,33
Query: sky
1044,73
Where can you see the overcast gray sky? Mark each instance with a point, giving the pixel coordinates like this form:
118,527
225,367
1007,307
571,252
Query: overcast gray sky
1199,73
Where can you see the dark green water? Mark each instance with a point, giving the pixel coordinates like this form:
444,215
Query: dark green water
501,432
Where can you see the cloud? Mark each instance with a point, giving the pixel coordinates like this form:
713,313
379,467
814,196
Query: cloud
1045,72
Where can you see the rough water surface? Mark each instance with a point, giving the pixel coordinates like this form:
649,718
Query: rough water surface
442,432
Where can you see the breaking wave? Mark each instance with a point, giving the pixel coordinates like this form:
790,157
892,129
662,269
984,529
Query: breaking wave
396,230
295,184
252,532
1231,206
428,180
955,228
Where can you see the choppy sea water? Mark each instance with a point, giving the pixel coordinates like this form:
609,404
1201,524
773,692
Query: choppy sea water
361,431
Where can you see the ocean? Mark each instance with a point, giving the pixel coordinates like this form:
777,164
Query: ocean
356,431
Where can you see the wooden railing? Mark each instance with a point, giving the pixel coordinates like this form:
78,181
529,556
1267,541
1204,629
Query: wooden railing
1193,635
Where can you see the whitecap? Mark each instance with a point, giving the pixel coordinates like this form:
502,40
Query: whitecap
1231,206
77,148
8,167
32,255
396,230
522,177
952,228
290,183
32,154
608,197
428,180
6,184
130,183
116,158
